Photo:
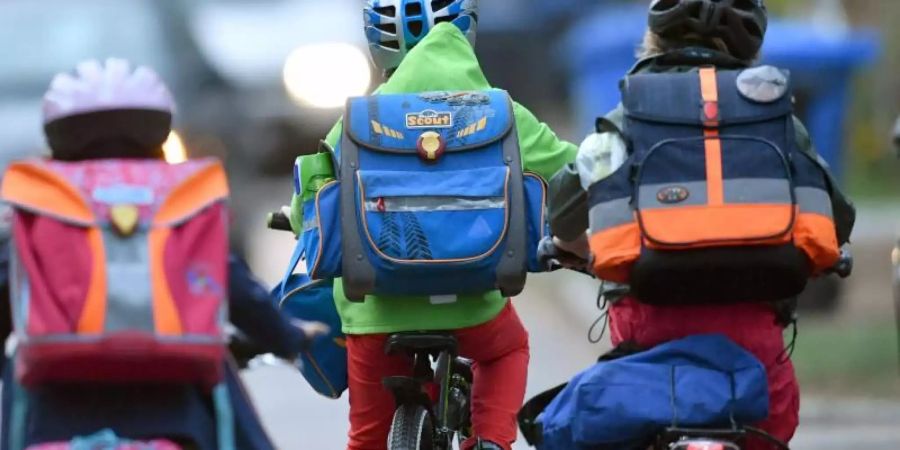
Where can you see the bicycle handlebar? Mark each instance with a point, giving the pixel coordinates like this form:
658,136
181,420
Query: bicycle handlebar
279,221
844,266
554,258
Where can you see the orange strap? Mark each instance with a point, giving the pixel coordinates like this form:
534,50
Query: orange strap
165,312
93,316
710,91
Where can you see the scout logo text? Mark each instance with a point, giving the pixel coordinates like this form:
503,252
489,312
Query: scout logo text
429,119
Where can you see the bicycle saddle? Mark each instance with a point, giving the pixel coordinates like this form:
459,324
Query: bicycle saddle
411,343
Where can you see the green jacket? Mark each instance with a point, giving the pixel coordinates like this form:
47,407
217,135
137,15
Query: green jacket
445,61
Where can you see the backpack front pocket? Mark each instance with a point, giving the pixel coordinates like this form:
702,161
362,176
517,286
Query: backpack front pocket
434,217
715,191
322,233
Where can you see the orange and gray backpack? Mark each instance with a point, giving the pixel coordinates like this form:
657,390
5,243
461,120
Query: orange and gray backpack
716,202
118,270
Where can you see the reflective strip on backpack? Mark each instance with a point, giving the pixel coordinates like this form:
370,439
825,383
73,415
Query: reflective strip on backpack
814,200
814,232
611,214
757,190
735,191
129,305
696,191
433,203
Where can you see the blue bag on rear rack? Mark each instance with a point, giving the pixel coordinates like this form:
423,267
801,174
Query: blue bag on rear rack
433,199
699,381
324,365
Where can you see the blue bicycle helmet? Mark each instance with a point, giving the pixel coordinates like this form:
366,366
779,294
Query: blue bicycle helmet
394,27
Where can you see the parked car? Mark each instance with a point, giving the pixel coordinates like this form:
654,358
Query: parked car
43,37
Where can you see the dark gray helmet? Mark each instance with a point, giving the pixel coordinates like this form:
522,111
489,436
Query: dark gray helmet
740,24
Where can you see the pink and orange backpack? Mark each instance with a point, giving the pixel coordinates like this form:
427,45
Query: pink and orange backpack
118,270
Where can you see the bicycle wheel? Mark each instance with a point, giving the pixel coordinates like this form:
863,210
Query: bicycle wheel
411,429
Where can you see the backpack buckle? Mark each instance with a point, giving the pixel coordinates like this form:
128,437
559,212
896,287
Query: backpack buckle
711,114
124,219
709,91
431,146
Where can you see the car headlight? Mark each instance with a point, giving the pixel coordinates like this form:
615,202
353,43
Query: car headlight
174,150
324,75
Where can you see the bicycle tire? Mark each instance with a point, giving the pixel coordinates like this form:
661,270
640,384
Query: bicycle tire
411,429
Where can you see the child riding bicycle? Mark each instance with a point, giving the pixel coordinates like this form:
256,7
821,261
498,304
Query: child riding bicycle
109,120
424,47
686,37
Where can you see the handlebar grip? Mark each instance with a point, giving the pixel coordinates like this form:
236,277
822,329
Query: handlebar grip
279,221
554,258
844,267
548,254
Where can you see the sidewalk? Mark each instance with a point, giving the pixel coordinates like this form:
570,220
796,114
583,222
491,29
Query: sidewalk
828,423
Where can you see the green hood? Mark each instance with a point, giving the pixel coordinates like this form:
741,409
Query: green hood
443,61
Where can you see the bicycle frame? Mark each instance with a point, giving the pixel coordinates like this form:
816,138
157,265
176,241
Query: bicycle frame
450,413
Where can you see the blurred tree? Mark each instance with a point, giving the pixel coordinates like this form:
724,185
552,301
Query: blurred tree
782,7
876,103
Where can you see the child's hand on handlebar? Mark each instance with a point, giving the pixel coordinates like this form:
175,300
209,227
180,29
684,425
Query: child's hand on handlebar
557,254
578,247
280,220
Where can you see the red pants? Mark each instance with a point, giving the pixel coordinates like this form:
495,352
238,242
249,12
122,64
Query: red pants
750,325
500,351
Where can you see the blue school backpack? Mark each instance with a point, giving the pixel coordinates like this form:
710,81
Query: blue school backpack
430,199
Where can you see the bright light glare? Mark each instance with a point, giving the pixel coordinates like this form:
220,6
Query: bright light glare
174,149
325,75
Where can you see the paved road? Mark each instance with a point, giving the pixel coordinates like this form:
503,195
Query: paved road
557,309
298,419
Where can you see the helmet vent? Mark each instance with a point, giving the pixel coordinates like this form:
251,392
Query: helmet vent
694,9
387,27
724,20
415,27
438,5
389,11
449,18
413,9
663,5
746,5
753,28
393,45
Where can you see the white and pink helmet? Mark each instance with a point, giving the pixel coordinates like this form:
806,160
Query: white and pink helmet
104,106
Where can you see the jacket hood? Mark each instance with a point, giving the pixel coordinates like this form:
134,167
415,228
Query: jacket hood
443,61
